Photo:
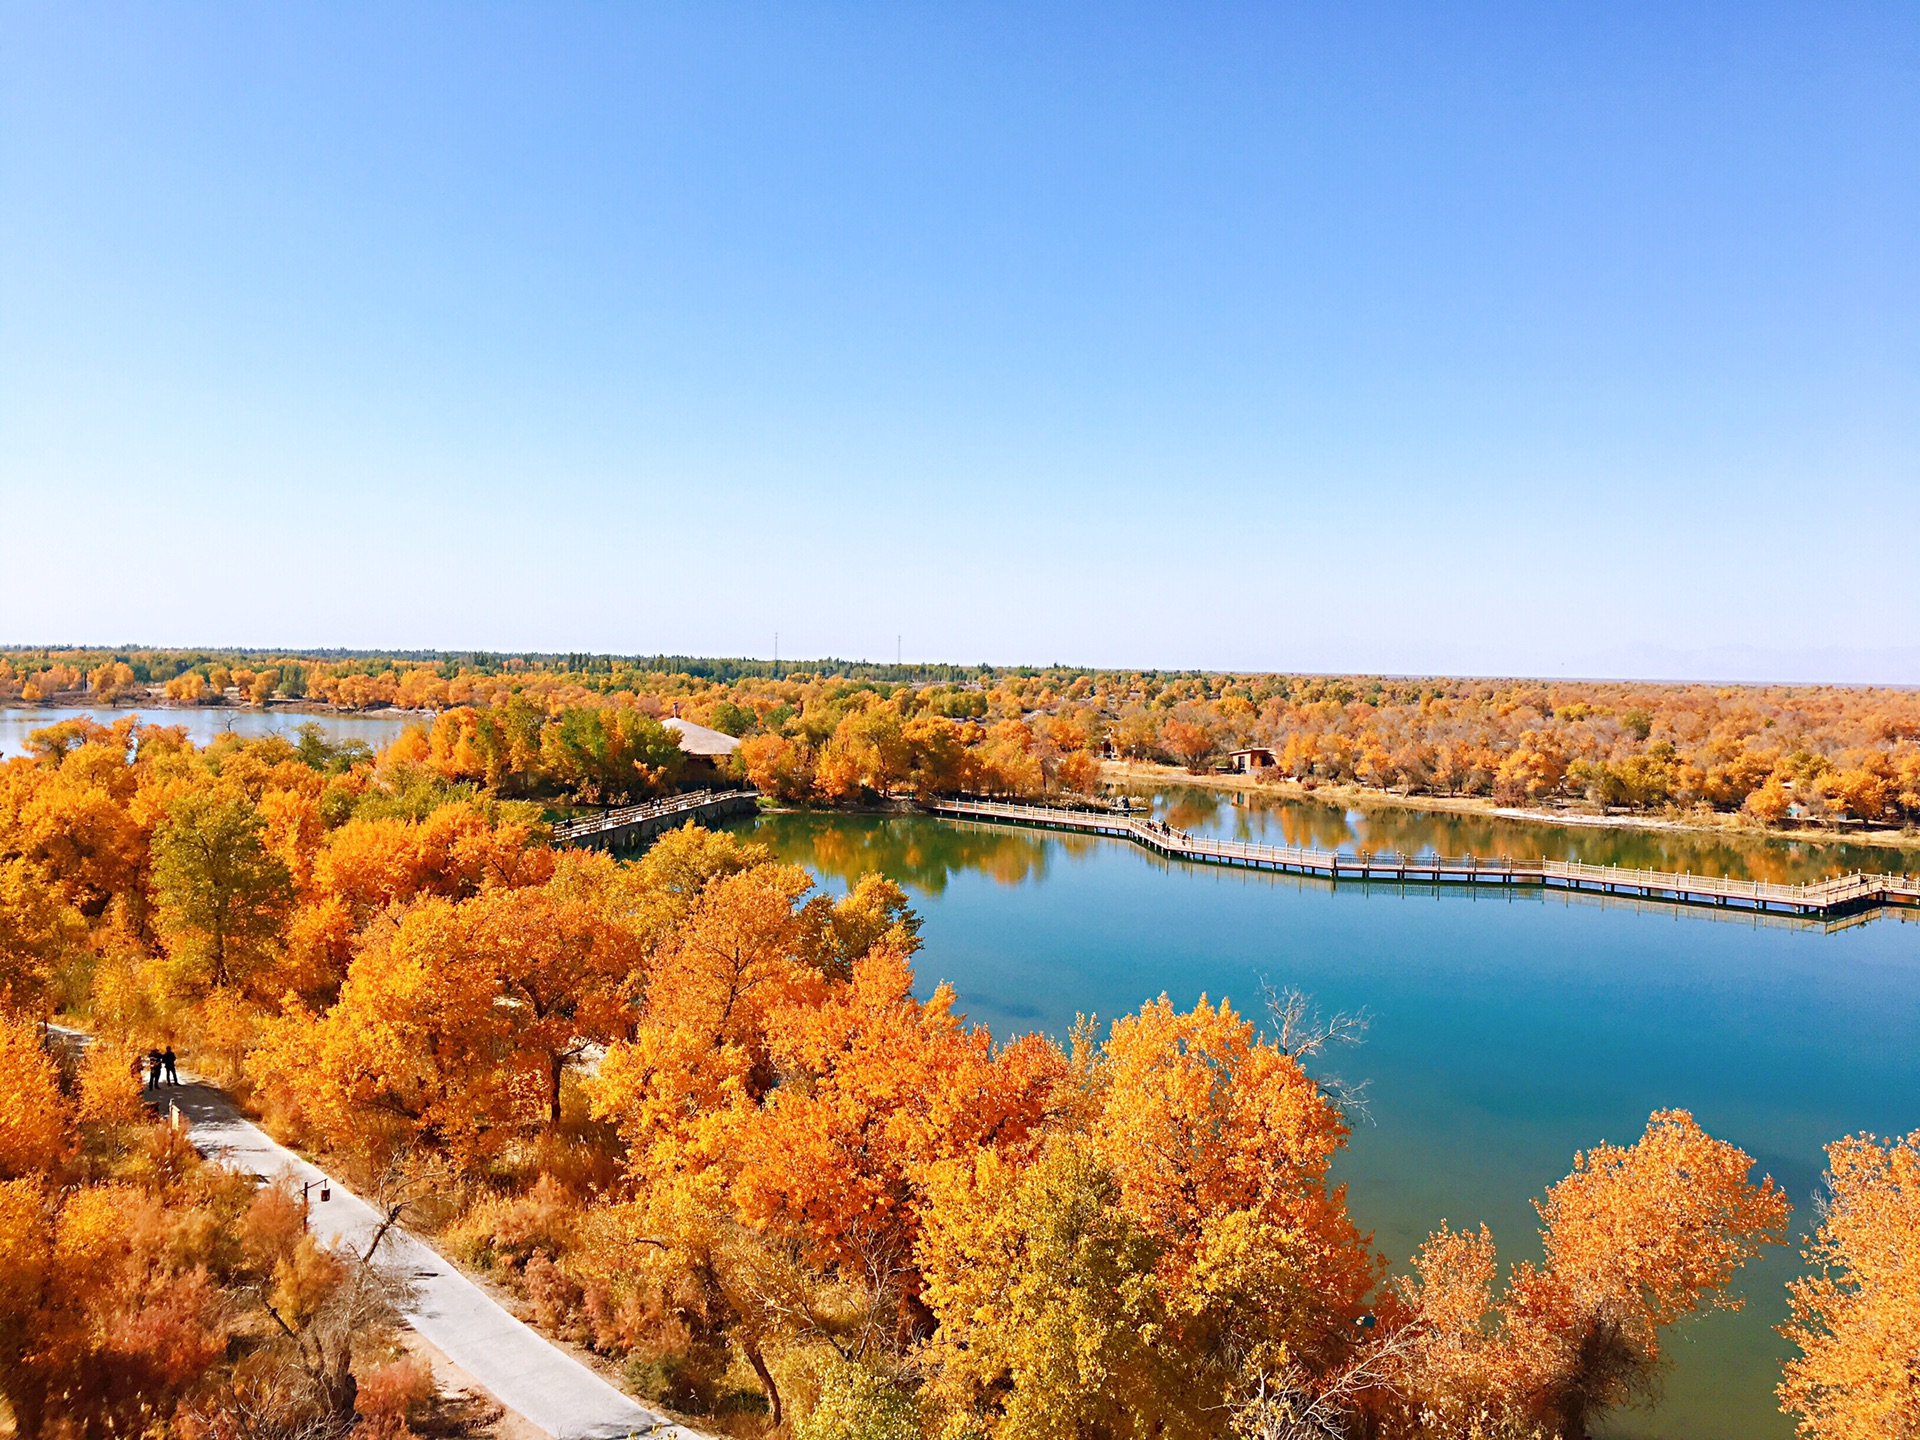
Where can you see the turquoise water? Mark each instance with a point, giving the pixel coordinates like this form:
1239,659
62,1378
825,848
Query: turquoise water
1508,1031
203,723
1267,819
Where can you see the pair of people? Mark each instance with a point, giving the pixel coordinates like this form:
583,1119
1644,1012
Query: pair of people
159,1063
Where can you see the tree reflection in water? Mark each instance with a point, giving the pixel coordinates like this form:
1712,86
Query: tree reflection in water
1266,819
925,853
915,850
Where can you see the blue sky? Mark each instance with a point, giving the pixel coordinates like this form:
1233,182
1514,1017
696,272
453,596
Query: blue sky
1501,339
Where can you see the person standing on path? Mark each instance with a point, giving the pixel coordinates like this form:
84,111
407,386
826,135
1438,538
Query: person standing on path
155,1063
170,1059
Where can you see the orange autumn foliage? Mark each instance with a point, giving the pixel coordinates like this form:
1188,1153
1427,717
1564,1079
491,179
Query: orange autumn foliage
371,864
407,1052
37,930
1637,1239
570,727
886,1087
1220,1145
560,970
73,814
785,1151
1199,1117
125,1267
456,1023
35,1128
1174,1238
1856,1319
702,1042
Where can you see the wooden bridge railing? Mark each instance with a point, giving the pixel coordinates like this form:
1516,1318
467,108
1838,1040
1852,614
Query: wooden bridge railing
1819,897
565,830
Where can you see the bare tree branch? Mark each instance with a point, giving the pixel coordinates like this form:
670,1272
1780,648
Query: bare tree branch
1290,1404
1306,1033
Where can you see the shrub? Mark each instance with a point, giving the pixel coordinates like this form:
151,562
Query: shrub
856,1403
394,1394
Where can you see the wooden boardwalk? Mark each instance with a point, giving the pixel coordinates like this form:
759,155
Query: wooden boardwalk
635,824
1841,895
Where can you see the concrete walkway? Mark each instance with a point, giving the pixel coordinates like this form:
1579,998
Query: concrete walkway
523,1371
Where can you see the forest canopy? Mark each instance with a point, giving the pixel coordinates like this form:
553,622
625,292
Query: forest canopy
582,728
699,1116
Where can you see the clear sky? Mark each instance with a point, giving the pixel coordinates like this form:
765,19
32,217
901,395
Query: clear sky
1545,339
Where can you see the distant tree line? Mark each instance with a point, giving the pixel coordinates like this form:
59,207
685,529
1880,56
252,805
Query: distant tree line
838,732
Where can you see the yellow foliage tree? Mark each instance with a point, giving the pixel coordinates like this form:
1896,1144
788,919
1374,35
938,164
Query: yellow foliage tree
1637,1239
1221,1145
1856,1319
35,1127
1052,1325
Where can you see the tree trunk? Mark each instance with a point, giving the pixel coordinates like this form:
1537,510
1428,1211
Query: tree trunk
339,1391
29,1411
752,1351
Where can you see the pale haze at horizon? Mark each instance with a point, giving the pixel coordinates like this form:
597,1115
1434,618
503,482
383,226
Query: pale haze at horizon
1499,341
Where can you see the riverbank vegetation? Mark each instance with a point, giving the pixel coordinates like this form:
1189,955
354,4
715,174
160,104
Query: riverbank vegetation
691,1112
834,734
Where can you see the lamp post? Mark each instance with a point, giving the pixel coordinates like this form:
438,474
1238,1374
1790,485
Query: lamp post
324,1186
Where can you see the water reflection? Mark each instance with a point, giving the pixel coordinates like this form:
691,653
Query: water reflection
203,723
1511,1028
930,855
1266,819
925,854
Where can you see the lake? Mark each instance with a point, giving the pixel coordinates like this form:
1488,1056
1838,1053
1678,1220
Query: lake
1268,819
203,723
1509,1030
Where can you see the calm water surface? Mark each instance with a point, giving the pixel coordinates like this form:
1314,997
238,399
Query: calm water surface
1508,1031
204,723
1267,819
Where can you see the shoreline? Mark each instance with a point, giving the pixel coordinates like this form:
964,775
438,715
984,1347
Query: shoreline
296,707
1361,797
1139,773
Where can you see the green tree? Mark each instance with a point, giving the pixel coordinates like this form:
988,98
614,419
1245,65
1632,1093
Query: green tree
732,719
609,756
222,896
